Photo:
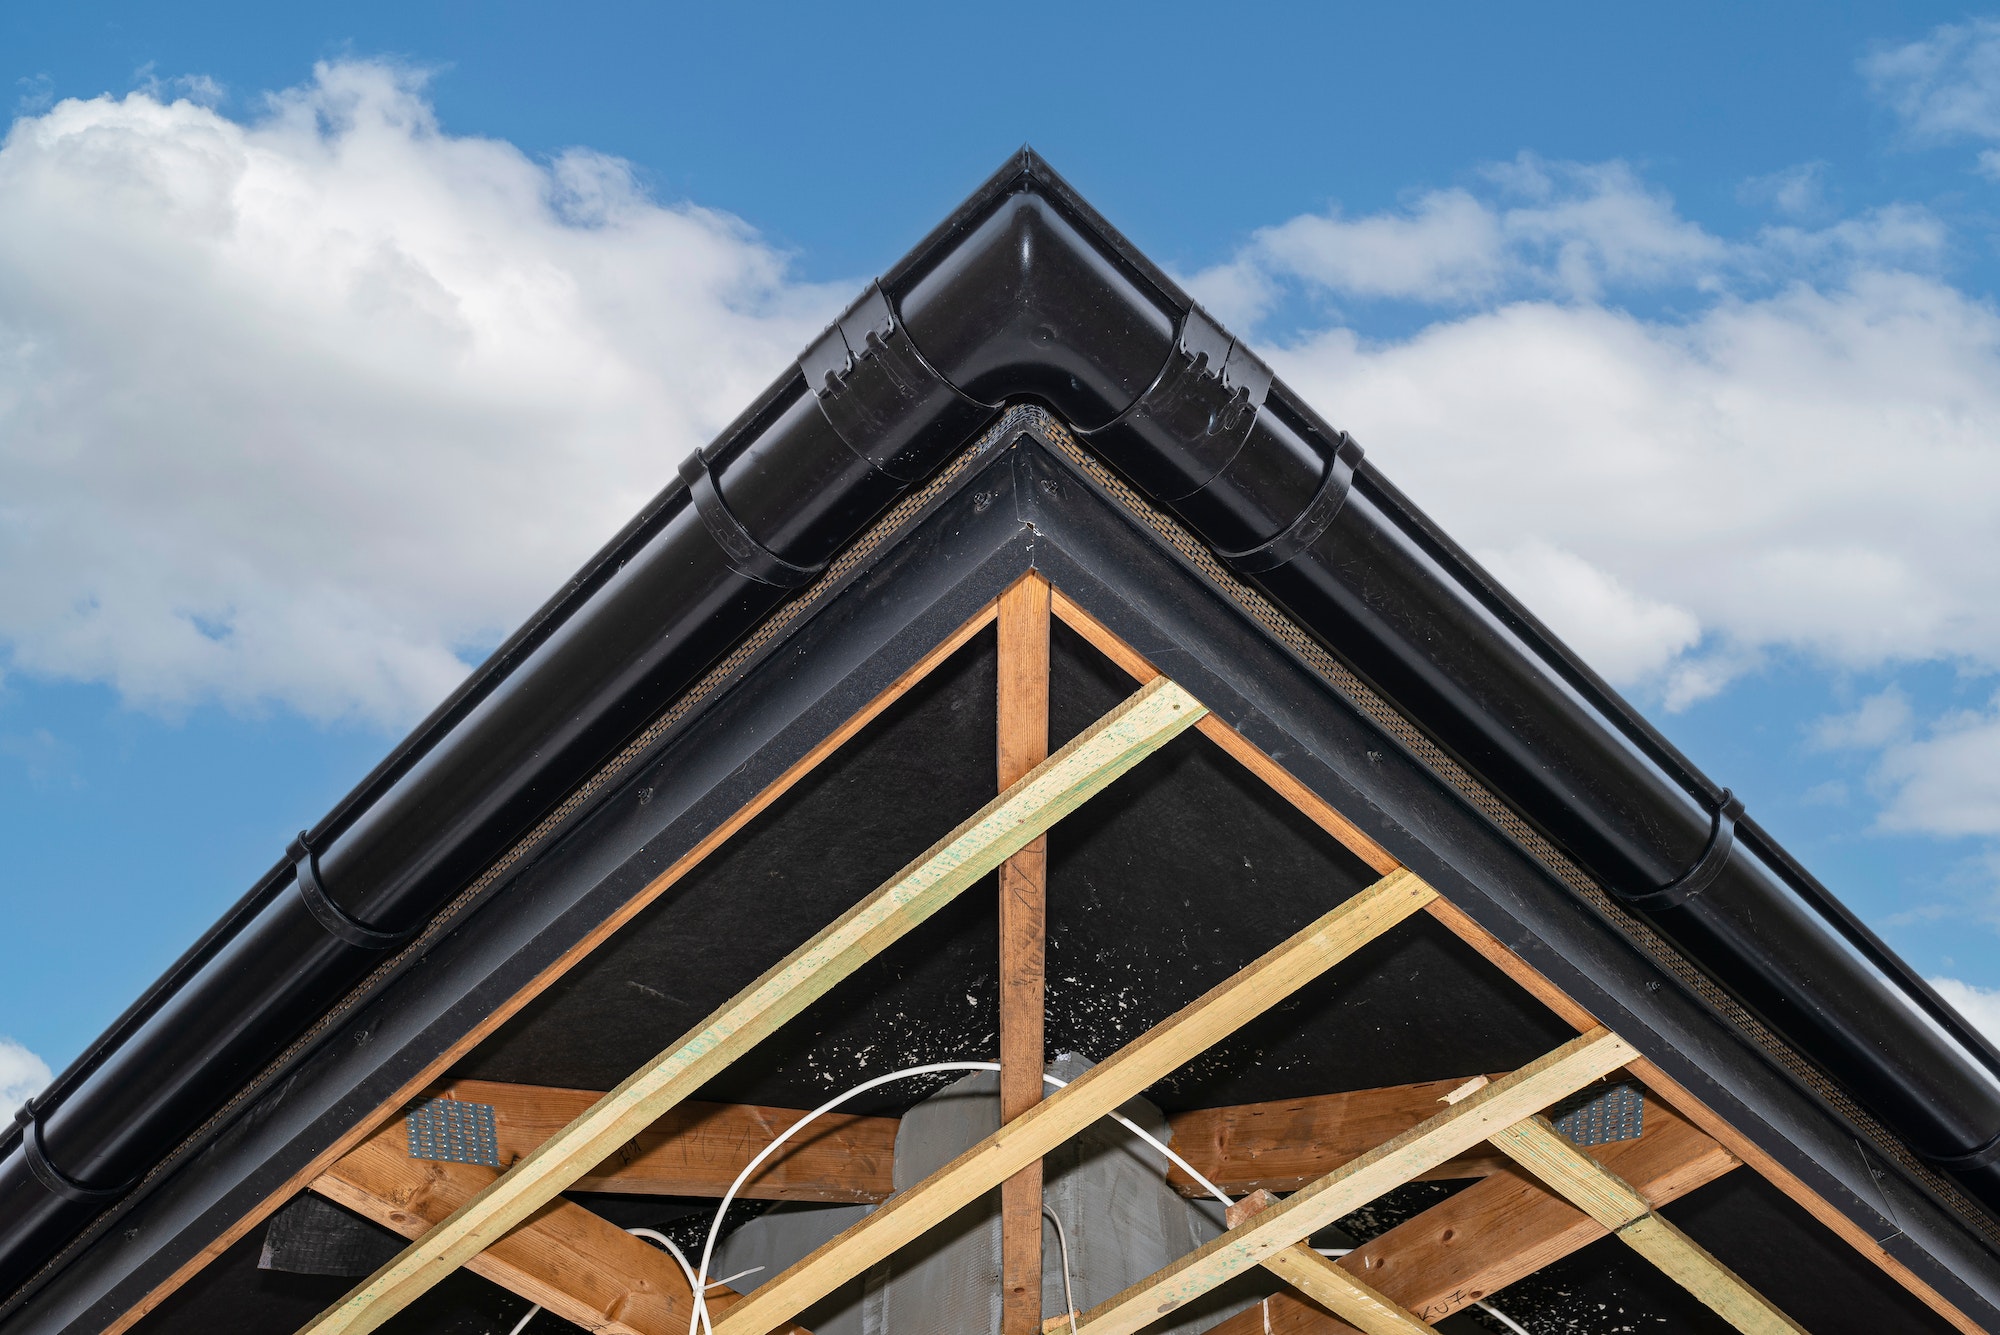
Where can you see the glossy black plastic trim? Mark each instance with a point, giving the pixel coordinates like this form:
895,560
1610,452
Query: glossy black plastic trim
339,924
746,556
44,1168
1714,855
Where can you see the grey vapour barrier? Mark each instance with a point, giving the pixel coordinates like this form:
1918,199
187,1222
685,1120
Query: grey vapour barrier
1023,295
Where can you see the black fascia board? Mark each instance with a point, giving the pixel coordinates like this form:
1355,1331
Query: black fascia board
1024,504
1024,295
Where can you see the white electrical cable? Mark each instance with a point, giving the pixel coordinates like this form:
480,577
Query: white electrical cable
1500,1316
699,1322
1062,1243
652,1235
1486,1307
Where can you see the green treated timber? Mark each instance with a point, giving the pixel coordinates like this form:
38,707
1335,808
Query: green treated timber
1147,1059
1144,722
1616,1204
1359,1181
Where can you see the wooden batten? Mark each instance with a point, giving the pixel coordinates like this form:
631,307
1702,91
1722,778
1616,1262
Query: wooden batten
1163,1049
1460,1126
1616,1205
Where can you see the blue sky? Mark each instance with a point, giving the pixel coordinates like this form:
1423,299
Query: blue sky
330,342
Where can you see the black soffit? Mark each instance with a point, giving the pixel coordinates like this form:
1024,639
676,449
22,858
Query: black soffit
1023,295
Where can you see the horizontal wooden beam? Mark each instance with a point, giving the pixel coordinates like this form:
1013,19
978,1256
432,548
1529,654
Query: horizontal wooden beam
583,1269
1284,1144
697,1149
1616,1205
1146,721
1501,1229
1476,1117
1155,1054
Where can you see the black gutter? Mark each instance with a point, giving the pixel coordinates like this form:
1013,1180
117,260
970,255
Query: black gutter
1025,293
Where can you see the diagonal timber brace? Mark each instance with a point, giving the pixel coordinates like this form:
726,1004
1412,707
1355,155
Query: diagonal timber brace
1155,1054
1612,1202
1144,722
1475,1118
1364,1307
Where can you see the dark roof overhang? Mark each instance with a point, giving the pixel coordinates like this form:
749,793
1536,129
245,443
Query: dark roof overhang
1024,295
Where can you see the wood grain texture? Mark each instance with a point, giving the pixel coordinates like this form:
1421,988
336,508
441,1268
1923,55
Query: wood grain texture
1023,711
1326,1283
1616,1205
499,1015
697,1149
1688,1264
580,1267
1145,721
1508,1226
1284,1144
1160,1051
1452,1131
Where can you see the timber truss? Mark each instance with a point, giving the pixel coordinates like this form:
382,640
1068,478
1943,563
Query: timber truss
1300,1165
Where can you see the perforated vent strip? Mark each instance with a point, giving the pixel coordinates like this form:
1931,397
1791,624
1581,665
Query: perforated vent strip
1391,720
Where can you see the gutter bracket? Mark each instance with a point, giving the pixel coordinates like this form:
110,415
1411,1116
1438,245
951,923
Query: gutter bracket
337,921
1196,416
745,555
1304,531
889,405
1714,856
59,1183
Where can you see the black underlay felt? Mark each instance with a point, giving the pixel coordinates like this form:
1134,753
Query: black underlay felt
231,1296
1796,1261
1160,887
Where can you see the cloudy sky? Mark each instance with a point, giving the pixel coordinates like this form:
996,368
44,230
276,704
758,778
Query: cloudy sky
329,347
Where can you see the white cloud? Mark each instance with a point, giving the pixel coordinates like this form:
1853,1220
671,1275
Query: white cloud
1623,635
1979,1005
1570,231
22,1075
1945,86
1948,781
301,410
1798,191
1807,465
1877,721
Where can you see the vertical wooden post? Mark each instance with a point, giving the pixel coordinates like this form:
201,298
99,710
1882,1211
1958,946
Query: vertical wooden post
1024,744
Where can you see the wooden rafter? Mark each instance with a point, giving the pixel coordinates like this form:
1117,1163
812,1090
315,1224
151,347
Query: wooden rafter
1612,1202
1472,1119
1161,1050
1023,742
697,1149
585,1270
1152,716
490,1023
1499,1230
